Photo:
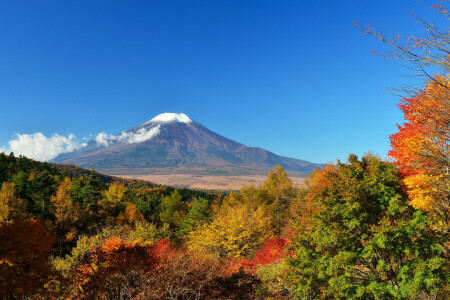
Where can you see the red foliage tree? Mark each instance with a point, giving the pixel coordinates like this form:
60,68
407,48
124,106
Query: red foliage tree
422,148
24,264
113,270
274,250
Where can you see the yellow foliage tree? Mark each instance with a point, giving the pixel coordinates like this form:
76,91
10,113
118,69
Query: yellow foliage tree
63,207
11,206
131,215
112,202
235,232
114,194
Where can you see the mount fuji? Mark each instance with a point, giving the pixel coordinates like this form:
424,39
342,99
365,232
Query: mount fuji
172,143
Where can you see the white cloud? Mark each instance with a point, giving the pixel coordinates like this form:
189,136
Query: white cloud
40,147
140,136
102,139
143,134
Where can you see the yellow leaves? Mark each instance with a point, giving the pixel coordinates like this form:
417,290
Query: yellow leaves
131,215
422,190
114,194
62,201
11,206
421,147
237,232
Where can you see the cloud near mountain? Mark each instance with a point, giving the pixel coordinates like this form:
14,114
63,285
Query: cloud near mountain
43,148
40,147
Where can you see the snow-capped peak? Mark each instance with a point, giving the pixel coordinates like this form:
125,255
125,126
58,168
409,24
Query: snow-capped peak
171,117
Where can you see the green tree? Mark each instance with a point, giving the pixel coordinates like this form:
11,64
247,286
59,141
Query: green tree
171,210
357,237
281,193
92,191
197,214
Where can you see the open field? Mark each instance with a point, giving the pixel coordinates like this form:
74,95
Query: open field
206,182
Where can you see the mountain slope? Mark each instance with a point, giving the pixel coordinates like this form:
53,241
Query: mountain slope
173,143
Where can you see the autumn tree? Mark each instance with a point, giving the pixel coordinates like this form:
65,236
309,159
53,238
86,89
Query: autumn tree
181,274
111,271
112,202
24,265
11,206
131,215
63,207
424,54
66,213
237,231
422,150
358,237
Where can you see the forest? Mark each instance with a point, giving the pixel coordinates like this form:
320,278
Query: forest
362,229
365,228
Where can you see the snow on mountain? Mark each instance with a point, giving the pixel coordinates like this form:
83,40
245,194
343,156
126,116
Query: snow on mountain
171,117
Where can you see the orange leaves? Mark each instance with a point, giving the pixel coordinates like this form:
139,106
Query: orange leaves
421,147
110,265
272,251
117,270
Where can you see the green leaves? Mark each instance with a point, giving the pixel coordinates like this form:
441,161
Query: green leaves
359,238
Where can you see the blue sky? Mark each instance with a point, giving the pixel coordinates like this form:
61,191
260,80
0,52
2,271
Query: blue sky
294,77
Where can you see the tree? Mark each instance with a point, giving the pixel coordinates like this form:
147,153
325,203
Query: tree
67,214
281,192
112,202
24,265
181,274
112,271
198,214
171,210
235,232
63,207
430,50
357,237
131,215
92,191
11,206
422,150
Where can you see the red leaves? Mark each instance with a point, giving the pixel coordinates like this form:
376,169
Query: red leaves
273,250
112,264
118,268
24,263
420,147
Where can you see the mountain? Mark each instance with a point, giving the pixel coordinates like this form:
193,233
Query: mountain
172,143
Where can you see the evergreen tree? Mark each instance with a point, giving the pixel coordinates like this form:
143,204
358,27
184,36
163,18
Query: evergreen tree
197,214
